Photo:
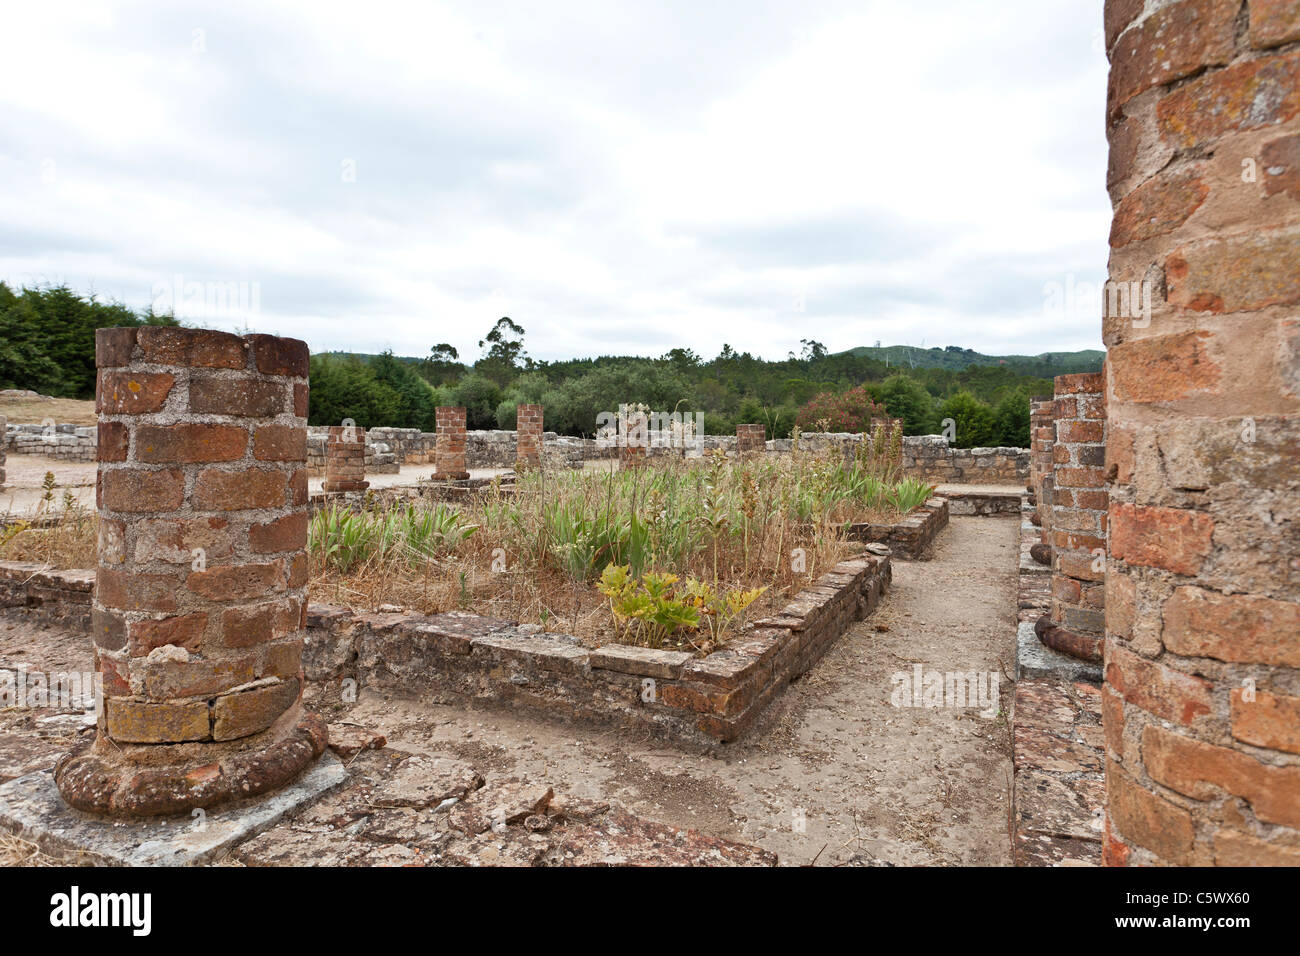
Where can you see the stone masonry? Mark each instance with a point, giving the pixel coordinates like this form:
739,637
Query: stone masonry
345,459
528,450
1042,436
1201,701
751,439
449,461
1076,623
200,592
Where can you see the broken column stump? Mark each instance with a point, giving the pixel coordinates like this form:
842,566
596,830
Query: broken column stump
449,444
201,585
345,459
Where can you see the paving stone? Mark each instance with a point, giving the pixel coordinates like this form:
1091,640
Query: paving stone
427,780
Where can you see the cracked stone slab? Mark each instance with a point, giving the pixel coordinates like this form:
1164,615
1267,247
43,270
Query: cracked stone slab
31,807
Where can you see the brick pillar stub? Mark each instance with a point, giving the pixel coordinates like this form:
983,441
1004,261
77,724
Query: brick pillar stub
528,440
449,448
3,424
633,437
345,459
1201,704
201,585
751,439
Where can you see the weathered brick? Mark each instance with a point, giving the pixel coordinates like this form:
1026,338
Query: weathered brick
112,442
1112,718
1158,207
283,534
301,399
1170,538
1163,369
1240,849
207,348
1118,15
189,442
1280,162
1274,22
1232,627
217,490
1267,720
280,356
257,624
108,629
113,347
127,591
130,721
243,397
185,631
1250,95
1240,274
131,393
238,582
1147,820
280,443
1197,769
1175,41
244,713
1157,689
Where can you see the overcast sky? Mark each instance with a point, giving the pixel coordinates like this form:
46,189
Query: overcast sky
617,177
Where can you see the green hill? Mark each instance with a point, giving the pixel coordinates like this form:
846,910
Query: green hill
1046,365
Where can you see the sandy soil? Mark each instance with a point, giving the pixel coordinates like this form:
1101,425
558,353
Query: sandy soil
65,411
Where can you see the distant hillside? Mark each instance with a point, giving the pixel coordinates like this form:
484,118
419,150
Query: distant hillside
1047,365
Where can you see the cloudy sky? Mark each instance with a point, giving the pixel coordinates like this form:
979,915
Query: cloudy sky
618,177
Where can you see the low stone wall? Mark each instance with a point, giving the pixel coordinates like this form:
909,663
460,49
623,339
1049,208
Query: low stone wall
56,597
910,536
983,503
672,694
65,442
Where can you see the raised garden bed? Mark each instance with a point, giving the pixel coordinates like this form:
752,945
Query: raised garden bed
674,694
911,535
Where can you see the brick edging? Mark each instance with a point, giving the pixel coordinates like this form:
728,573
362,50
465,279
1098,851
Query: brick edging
670,693
911,535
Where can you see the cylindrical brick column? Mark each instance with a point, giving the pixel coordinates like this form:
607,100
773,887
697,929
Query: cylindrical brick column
1076,623
1042,435
528,442
201,587
449,447
1201,702
751,439
345,459
633,437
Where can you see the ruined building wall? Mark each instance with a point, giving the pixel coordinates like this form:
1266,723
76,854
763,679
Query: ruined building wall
1202,693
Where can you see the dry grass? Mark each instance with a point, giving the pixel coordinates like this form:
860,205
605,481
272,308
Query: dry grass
15,851
62,535
65,411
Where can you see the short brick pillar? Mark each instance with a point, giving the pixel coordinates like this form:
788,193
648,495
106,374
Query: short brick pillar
201,588
449,448
751,439
633,437
345,459
1201,704
3,424
528,440
1076,622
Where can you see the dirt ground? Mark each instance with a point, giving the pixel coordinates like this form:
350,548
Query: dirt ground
66,411
833,775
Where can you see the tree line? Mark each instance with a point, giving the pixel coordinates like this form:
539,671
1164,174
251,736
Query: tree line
47,344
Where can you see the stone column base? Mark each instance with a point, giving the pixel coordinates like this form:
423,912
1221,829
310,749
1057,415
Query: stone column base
451,476
101,776
344,485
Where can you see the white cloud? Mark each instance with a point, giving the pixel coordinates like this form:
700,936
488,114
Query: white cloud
616,177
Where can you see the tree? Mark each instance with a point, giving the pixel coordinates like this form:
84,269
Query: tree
1011,420
442,364
503,347
850,411
972,418
906,398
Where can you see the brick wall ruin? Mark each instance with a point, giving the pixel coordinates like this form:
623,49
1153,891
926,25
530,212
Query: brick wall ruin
1202,693
201,588
751,439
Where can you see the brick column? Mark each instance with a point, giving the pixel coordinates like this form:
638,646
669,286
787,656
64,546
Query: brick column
751,439
1076,623
3,423
1042,435
200,592
633,438
449,450
528,441
1202,697
345,459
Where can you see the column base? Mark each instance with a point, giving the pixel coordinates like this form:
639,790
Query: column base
450,476
1084,647
101,776
348,485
